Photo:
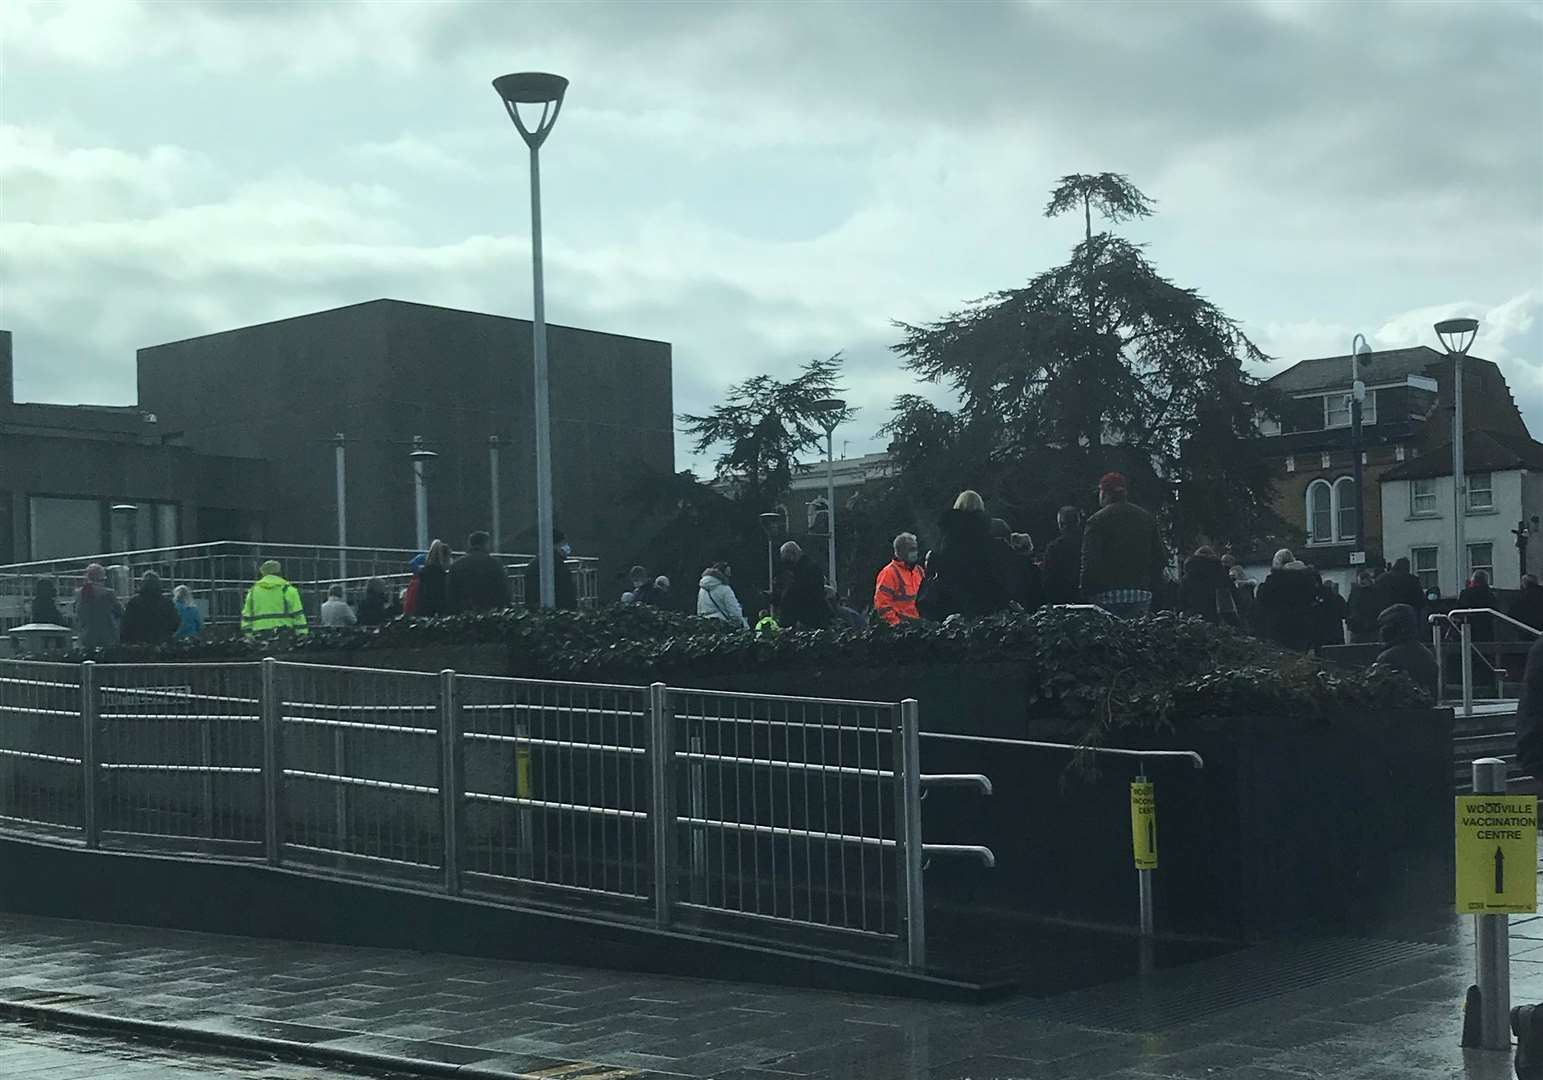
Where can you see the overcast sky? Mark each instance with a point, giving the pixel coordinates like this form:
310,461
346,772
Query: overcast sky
761,183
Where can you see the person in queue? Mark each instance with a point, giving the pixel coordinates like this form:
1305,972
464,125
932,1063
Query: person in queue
967,573
896,588
478,581
272,603
799,601
1122,552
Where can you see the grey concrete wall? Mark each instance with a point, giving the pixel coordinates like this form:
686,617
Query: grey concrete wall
385,370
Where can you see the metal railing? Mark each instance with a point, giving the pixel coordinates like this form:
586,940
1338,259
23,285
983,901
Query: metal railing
219,574
795,820
1460,621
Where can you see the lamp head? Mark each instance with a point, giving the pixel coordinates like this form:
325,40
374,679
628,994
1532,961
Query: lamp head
125,508
532,88
771,524
829,410
1457,334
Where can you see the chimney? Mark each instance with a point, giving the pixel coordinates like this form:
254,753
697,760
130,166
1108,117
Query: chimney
7,375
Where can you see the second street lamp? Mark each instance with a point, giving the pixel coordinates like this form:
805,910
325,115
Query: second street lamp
419,455
538,88
1456,337
1360,352
830,412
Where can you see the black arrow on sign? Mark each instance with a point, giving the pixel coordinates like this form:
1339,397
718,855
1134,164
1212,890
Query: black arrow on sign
1499,869
1151,836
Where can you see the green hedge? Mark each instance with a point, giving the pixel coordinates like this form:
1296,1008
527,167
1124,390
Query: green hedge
1097,673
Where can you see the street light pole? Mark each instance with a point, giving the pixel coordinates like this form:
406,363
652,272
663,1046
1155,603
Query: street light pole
342,484
1456,336
830,411
421,490
1359,349
493,483
536,88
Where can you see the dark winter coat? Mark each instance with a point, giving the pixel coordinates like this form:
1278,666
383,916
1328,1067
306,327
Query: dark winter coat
97,614
1063,568
1399,627
1528,607
433,592
1397,587
1529,713
565,594
374,609
1333,610
479,582
1365,605
1480,596
150,618
968,573
44,610
1286,608
1204,577
799,597
1121,549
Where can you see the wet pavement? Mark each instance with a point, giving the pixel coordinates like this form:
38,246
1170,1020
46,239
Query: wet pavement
33,1053
1359,1008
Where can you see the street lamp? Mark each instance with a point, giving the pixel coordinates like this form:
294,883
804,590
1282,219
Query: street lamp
538,88
124,512
419,455
771,525
1360,352
830,412
493,483
1456,336
339,465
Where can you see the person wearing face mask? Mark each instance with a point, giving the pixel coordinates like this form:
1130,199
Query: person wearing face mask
566,593
477,582
894,593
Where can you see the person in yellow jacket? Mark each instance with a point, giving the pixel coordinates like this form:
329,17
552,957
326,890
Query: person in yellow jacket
272,604
894,593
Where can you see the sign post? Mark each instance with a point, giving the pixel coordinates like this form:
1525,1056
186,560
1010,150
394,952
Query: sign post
1143,833
1497,852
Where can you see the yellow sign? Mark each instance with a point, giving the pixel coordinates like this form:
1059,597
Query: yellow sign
1497,854
1143,824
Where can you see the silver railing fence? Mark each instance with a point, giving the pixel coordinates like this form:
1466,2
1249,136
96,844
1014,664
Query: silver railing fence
783,819
219,574
1463,652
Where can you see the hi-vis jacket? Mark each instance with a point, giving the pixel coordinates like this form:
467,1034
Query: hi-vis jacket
894,594
272,604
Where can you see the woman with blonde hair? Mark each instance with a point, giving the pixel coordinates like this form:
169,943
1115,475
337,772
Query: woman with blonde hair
967,573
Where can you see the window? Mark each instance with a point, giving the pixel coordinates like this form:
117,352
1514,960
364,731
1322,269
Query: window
1481,557
1331,511
63,528
1422,561
1336,410
1320,513
1422,497
1481,491
1344,508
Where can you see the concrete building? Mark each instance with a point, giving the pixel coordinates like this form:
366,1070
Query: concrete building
1505,490
805,503
234,434
1407,415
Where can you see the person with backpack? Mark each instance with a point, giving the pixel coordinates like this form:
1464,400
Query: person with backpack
715,599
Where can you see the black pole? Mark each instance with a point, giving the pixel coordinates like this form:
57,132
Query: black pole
1355,464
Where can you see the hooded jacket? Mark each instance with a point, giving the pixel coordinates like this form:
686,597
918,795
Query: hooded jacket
272,604
150,618
1399,628
715,600
967,574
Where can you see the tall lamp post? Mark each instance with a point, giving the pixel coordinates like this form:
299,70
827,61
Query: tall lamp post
771,524
339,466
1360,352
493,483
830,412
1456,337
538,88
419,454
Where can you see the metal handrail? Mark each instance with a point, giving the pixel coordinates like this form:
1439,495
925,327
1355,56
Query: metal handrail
1114,751
1534,631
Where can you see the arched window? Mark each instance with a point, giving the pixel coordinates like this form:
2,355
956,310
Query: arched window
1331,511
1320,512
1344,509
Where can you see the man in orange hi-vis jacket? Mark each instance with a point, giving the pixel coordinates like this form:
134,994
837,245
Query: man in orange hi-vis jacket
894,593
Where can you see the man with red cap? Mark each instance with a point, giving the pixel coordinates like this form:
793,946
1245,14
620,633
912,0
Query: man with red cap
1122,554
